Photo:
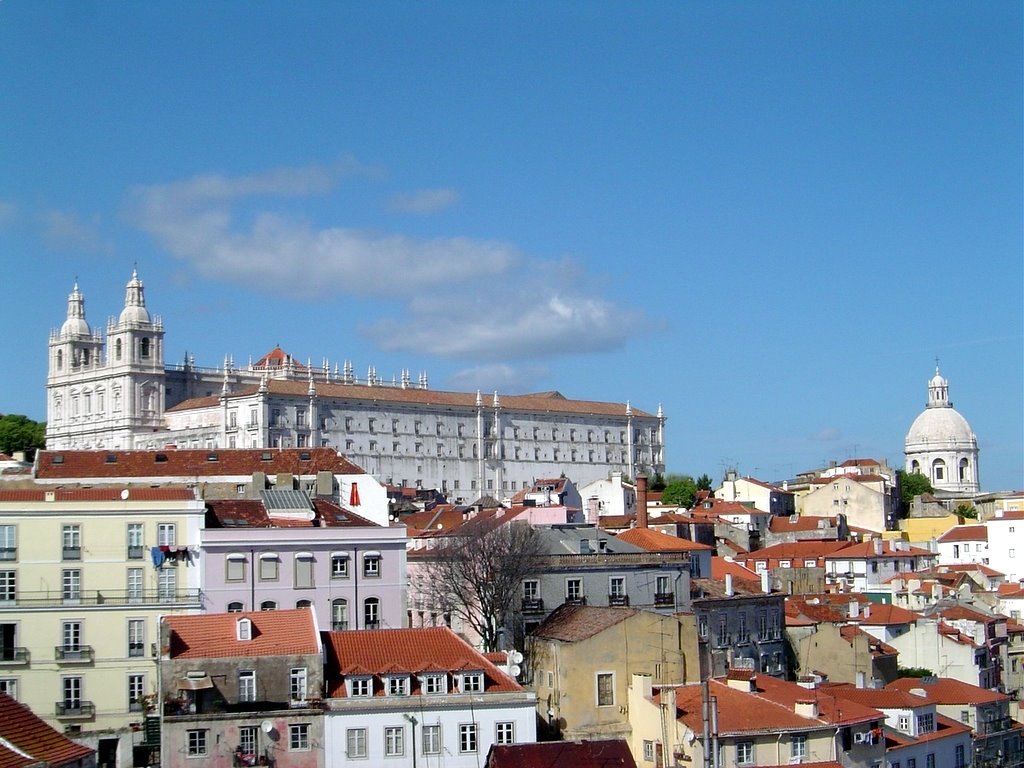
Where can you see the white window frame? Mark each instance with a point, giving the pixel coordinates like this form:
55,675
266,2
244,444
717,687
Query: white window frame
505,732
196,742
469,741
360,687
246,685
394,741
398,685
298,683
298,737
355,743
431,739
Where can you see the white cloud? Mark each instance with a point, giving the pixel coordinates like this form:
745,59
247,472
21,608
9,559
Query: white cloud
501,377
424,201
66,230
460,297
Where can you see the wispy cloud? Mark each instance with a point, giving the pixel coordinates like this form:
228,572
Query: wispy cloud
827,435
67,230
424,201
457,297
500,376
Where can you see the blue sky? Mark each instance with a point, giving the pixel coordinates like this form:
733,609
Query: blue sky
770,218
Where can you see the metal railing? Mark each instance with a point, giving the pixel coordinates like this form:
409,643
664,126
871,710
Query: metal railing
106,597
79,654
71,709
14,654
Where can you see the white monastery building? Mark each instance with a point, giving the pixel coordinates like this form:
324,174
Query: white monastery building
115,391
942,445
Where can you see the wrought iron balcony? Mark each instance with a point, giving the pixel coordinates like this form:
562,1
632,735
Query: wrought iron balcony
618,599
577,600
13,654
106,597
533,605
71,553
136,552
76,709
8,553
79,654
664,598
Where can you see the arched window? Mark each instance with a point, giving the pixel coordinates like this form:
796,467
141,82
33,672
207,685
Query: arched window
304,604
371,613
965,469
117,349
60,359
145,347
234,607
85,356
938,470
268,605
915,467
339,614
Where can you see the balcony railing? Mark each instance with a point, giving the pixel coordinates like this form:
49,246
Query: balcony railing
106,597
76,709
339,626
80,654
533,605
14,655
8,553
618,599
576,600
71,553
136,552
664,598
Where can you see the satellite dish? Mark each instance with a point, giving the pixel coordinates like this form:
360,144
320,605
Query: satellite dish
514,670
311,515
266,726
124,494
515,657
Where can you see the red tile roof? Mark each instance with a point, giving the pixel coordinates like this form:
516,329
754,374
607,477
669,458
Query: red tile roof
800,523
412,650
964,533
191,463
866,550
798,550
251,513
572,623
946,690
721,566
610,753
214,635
543,402
655,541
166,493
29,734
886,614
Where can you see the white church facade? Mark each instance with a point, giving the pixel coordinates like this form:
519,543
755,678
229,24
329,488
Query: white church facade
942,446
115,391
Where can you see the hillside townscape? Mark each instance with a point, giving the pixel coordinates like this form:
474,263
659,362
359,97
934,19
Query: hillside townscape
284,564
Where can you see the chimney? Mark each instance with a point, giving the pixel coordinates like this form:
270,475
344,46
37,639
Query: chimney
877,544
766,586
860,679
641,501
806,708
854,609
728,585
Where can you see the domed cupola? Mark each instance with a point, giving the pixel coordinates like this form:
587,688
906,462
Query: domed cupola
941,444
76,325
134,302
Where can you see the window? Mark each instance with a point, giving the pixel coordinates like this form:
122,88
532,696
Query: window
235,568
965,716
71,542
196,743
234,607
9,685
371,566
71,584
136,690
649,751
431,739
339,614
798,745
762,626
268,605
531,590
616,586
298,736
505,733
355,742
247,685
165,535
467,737
339,566
433,684
925,723
136,637
723,631
742,635
9,542
371,613
605,689
72,690
167,585
959,761
247,739
573,590
744,753
472,682
361,686
911,762
394,741
702,626
8,586
297,684
398,685
303,571
904,723
929,760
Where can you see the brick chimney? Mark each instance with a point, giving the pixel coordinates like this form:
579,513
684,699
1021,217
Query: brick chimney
641,501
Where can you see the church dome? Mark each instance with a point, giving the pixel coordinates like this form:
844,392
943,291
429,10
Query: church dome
134,302
940,426
76,324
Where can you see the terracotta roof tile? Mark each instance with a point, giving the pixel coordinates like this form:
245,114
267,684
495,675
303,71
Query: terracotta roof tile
166,493
190,463
572,623
20,727
964,533
412,650
655,541
799,523
609,753
214,635
946,690
251,513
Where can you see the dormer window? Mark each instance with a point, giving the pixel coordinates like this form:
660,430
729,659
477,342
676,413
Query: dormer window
243,629
360,686
398,685
433,684
472,682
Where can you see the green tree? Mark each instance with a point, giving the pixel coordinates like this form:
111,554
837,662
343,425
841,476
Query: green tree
680,491
966,510
914,672
704,483
912,484
20,433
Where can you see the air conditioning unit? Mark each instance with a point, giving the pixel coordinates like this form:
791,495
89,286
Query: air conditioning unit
862,738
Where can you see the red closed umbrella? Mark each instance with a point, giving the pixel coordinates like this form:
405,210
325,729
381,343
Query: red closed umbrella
353,497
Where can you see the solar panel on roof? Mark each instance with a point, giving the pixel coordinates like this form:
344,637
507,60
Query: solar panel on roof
285,500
